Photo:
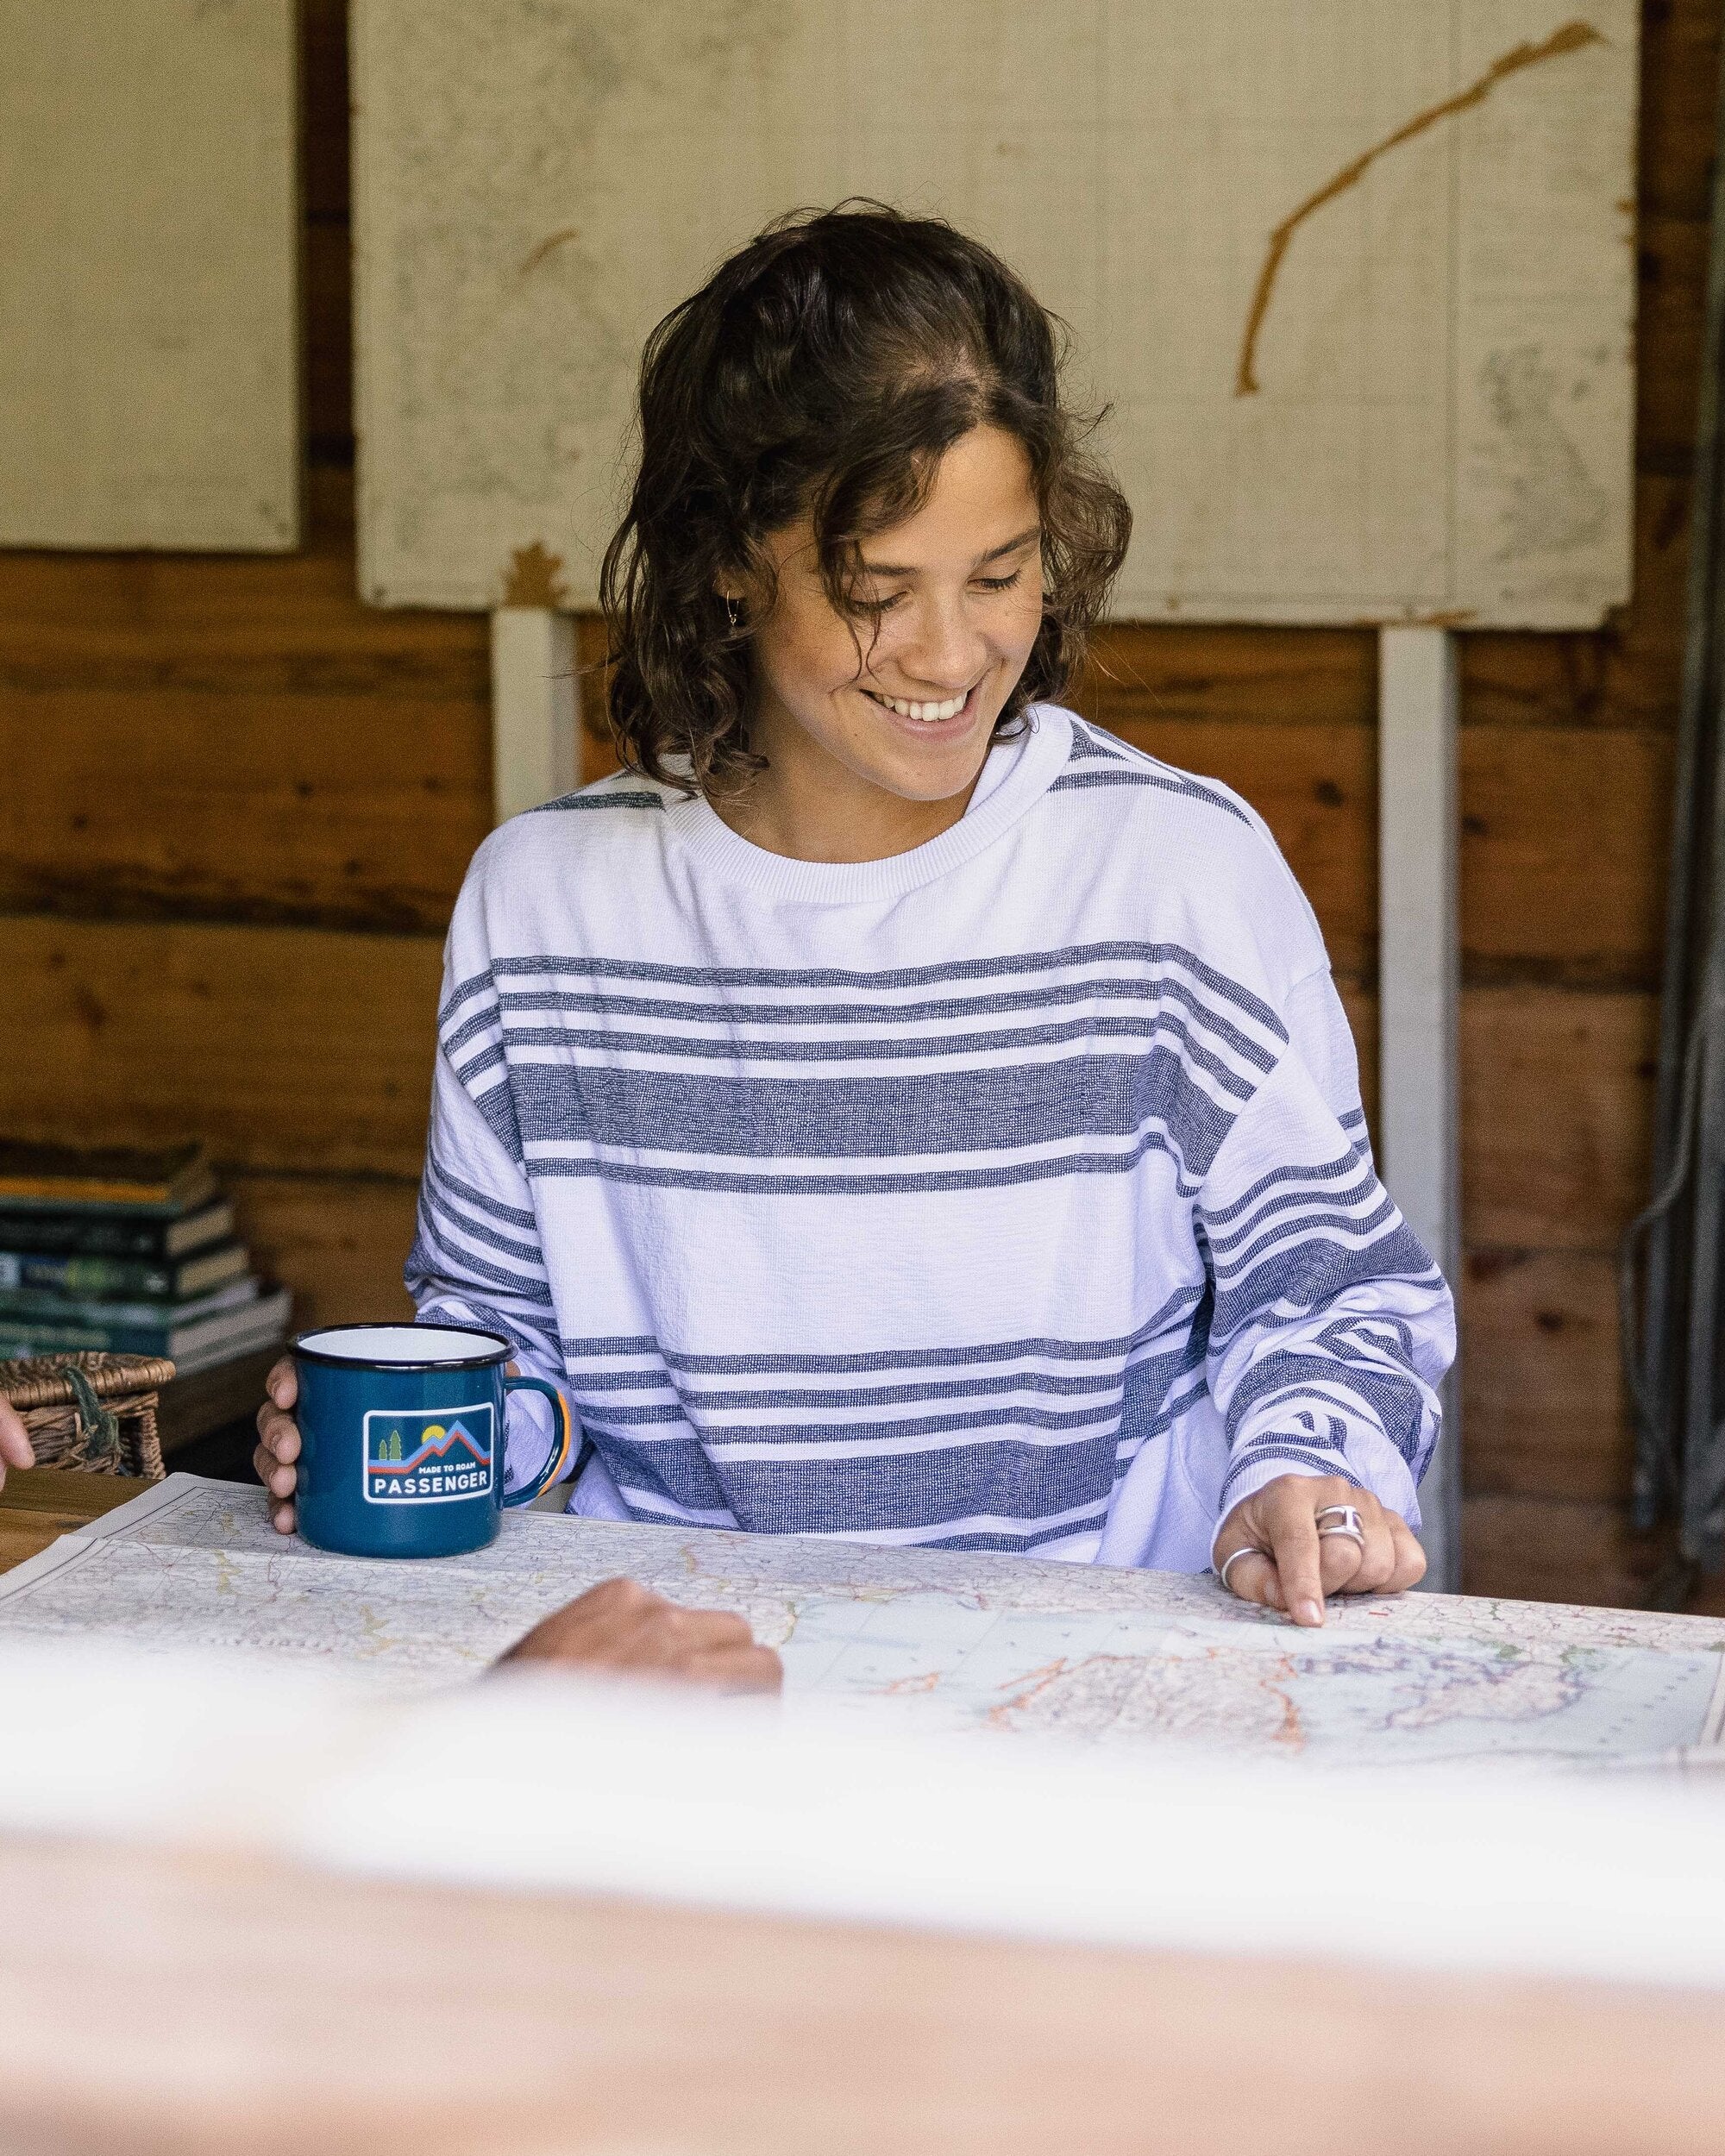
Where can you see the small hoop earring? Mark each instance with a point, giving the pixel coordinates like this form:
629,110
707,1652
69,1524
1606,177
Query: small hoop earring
730,614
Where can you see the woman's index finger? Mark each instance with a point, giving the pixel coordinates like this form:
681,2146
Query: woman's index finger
1293,1544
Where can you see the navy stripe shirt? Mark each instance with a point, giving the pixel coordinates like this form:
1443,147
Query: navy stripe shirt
1013,1192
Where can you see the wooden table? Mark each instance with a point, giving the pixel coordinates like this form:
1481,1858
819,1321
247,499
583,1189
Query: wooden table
219,2005
39,1504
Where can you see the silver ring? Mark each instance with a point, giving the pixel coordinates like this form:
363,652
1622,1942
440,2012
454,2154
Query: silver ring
1350,1523
1251,1550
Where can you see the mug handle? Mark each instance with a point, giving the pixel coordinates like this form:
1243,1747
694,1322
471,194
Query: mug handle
560,1452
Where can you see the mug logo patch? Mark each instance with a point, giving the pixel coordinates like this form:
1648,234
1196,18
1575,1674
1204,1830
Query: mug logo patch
428,1456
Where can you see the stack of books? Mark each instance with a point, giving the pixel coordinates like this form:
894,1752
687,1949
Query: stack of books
134,1253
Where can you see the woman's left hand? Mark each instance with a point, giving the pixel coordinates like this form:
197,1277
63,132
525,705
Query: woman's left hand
1291,1564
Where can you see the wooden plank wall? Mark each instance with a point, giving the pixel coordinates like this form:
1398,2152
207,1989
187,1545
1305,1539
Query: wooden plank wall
236,807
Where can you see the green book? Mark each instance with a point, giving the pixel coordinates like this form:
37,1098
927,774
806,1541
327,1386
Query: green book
82,1233
167,1280
46,1306
199,1345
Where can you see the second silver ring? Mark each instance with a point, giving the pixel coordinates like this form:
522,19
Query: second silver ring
1348,1522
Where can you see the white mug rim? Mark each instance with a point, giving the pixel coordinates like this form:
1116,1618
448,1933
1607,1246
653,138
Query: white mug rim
496,1350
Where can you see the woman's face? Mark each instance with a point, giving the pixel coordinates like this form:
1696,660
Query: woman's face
954,598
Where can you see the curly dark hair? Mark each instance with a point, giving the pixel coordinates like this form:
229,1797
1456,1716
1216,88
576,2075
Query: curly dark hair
823,371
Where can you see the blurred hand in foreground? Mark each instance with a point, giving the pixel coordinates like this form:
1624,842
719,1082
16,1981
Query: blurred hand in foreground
16,1449
623,1628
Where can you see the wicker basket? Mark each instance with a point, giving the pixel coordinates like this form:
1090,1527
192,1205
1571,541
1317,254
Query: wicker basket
93,1411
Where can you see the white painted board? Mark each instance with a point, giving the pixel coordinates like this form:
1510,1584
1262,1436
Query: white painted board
535,709
1420,1005
1442,421
149,241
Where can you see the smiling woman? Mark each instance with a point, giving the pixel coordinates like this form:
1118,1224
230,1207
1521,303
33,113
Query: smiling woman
845,376
871,743
891,1107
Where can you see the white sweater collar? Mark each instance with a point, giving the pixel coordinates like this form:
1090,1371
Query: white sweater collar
1036,761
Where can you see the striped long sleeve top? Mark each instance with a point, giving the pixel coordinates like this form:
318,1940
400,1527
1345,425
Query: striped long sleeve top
1013,1192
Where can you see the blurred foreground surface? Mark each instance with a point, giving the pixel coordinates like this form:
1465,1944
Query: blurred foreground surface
532,1913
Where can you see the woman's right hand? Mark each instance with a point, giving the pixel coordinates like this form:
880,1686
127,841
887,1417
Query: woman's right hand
279,1443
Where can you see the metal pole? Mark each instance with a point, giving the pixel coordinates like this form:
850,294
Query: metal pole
1654,1359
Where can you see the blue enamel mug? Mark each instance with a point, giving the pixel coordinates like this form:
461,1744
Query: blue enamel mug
401,1430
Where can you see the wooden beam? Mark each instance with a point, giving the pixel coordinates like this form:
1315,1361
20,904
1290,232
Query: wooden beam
1561,828
280,1048
1556,1115
372,804
1544,1402
1420,984
536,752
1556,1550
339,1241
282,626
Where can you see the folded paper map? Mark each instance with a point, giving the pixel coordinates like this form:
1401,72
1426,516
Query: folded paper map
931,1639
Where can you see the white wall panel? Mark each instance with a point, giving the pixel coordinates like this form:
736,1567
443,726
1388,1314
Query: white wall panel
1418,214
149,238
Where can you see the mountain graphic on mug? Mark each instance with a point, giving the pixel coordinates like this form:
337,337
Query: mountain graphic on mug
391,1454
